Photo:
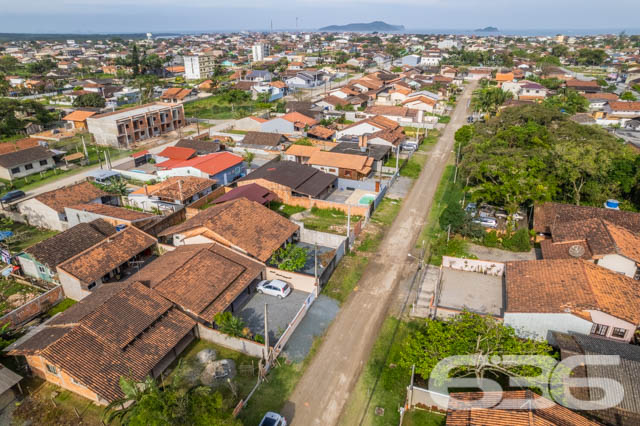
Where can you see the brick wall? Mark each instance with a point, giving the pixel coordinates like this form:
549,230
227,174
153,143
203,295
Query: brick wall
62,379
154,228
34,307
194,208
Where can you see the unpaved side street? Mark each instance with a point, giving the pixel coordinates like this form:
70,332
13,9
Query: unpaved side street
323,390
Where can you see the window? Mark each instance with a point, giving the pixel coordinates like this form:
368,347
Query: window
619,332
599,329
28,166
51,369
15,170
75,382
41,269
90,286
43,162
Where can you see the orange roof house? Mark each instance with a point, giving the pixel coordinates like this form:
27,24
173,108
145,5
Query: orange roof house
78,118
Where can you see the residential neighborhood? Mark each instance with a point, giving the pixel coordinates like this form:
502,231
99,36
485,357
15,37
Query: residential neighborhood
301,227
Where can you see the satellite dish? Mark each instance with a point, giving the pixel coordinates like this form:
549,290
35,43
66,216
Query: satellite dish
576,251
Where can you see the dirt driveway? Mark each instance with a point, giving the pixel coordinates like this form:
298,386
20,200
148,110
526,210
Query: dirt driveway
321,394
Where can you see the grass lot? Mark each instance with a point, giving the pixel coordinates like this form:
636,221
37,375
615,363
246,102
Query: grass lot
10,288
413,167
437,245
350,269
382,383
285,209
51,405
61,307
25,236
423,418
430,140
214,108
329,220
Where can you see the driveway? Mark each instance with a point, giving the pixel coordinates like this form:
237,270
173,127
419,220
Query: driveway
497,255
321,394
281,312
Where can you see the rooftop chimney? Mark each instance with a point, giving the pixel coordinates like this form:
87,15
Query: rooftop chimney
363,143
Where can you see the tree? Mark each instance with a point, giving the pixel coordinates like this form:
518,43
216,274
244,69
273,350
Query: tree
453,215
591,56
289,258
569,101
8,64
146,84
560,50
628,96
463,135
89,100
41,67
248,157
489,99
470,334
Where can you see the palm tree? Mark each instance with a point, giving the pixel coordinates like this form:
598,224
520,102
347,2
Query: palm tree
133,392
489,99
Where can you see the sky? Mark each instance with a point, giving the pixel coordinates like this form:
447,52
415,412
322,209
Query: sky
139,16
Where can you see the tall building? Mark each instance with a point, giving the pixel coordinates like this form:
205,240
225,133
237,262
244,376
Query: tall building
199,66
259,52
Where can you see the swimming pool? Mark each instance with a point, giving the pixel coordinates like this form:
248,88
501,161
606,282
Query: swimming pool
366,199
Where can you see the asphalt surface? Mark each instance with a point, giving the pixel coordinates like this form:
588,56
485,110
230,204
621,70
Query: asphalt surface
321,394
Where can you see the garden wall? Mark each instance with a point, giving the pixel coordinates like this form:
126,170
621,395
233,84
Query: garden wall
218,192
34,307
470,265
298,281
247,347
425,399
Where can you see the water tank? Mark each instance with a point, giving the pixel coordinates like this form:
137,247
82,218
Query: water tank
612,204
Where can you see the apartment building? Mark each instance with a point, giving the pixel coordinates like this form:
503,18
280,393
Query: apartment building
259,52
125,127
199,66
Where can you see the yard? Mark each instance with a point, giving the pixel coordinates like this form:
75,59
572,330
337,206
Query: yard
24,236
423,418
285,210
14,294
352,266
328,220
413,167
217,107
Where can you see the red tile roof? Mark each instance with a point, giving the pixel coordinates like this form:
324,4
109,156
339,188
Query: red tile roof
177,153
211,164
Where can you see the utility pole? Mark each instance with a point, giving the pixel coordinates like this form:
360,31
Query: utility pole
266,332
348,223
315,267
397,157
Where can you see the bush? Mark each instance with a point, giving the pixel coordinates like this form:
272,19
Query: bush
229,324
519,241
490,239
259,338
453,215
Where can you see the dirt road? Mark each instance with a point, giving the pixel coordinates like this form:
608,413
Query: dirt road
321,394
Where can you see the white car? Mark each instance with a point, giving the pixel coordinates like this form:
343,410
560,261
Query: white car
274,288
273,419
487,222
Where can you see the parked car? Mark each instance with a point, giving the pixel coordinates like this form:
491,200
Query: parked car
470,119
12,196
518,216
501,213
409,146
487,222
273,419
276,288
472,209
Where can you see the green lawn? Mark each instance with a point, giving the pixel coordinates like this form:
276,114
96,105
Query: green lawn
10,287
430,140
285,209
214,108
346,277
413,167
25,236
382,382
329,220
61,307
423,418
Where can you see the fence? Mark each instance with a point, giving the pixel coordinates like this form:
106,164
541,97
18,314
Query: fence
293,325
470,265
297,280
247,347
156,227
426,399
34,307
194,208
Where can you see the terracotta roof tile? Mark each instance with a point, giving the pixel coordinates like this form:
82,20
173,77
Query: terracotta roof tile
79,193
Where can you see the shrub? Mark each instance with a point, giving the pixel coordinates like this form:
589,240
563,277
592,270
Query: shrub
229,324
490,239
453,215
259,338
519,241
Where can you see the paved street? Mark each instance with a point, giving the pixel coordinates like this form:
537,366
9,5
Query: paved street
341,357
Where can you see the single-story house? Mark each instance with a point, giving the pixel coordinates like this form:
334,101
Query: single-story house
345,166
41,260
251,192
223,167
172,193
120,330
265,140
25,162
250,123
47,210
177,94
203,279
243,225
300,153
570,295
84,213
288,179
103,262
78,119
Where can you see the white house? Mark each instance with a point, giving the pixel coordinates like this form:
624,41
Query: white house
570,295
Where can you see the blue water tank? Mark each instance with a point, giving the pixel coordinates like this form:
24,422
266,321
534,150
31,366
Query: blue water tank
612,204
120,227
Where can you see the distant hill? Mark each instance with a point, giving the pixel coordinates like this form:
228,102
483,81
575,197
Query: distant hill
487,30
371,26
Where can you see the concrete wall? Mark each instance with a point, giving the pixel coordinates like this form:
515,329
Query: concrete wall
618,263
40,215
277,125
538,325
34,307
245,346
247,124
366,185
469,265
105,132
298,281
71,285
423,398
